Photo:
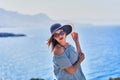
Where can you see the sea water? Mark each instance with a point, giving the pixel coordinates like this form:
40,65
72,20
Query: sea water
23,58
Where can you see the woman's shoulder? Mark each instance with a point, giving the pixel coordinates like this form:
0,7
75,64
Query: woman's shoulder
58,50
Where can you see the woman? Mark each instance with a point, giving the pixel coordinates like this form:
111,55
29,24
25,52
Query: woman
67,61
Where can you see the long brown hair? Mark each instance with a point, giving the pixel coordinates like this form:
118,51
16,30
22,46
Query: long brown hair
52,42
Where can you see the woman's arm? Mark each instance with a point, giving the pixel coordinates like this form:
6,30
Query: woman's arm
72,69
76,40
79,50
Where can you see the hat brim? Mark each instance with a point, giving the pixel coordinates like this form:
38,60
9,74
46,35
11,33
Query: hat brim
67,29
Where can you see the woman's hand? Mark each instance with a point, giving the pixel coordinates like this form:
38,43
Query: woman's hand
81,57
75,36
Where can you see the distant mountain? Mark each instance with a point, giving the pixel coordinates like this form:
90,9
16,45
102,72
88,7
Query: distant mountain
15,19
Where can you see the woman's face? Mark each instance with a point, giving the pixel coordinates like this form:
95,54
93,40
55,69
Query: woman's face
59,35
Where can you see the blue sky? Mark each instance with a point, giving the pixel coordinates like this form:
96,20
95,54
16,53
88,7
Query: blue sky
82,11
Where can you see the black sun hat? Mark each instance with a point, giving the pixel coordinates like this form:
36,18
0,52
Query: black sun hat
67,28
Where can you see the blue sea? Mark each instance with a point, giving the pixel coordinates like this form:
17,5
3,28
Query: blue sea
23,58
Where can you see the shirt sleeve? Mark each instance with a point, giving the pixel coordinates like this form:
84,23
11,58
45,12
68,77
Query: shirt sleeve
62,61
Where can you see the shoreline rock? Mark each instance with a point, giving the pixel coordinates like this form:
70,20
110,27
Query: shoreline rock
11,35
36,79
114,78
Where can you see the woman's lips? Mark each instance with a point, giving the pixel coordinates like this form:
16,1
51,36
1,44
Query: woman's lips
61,38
